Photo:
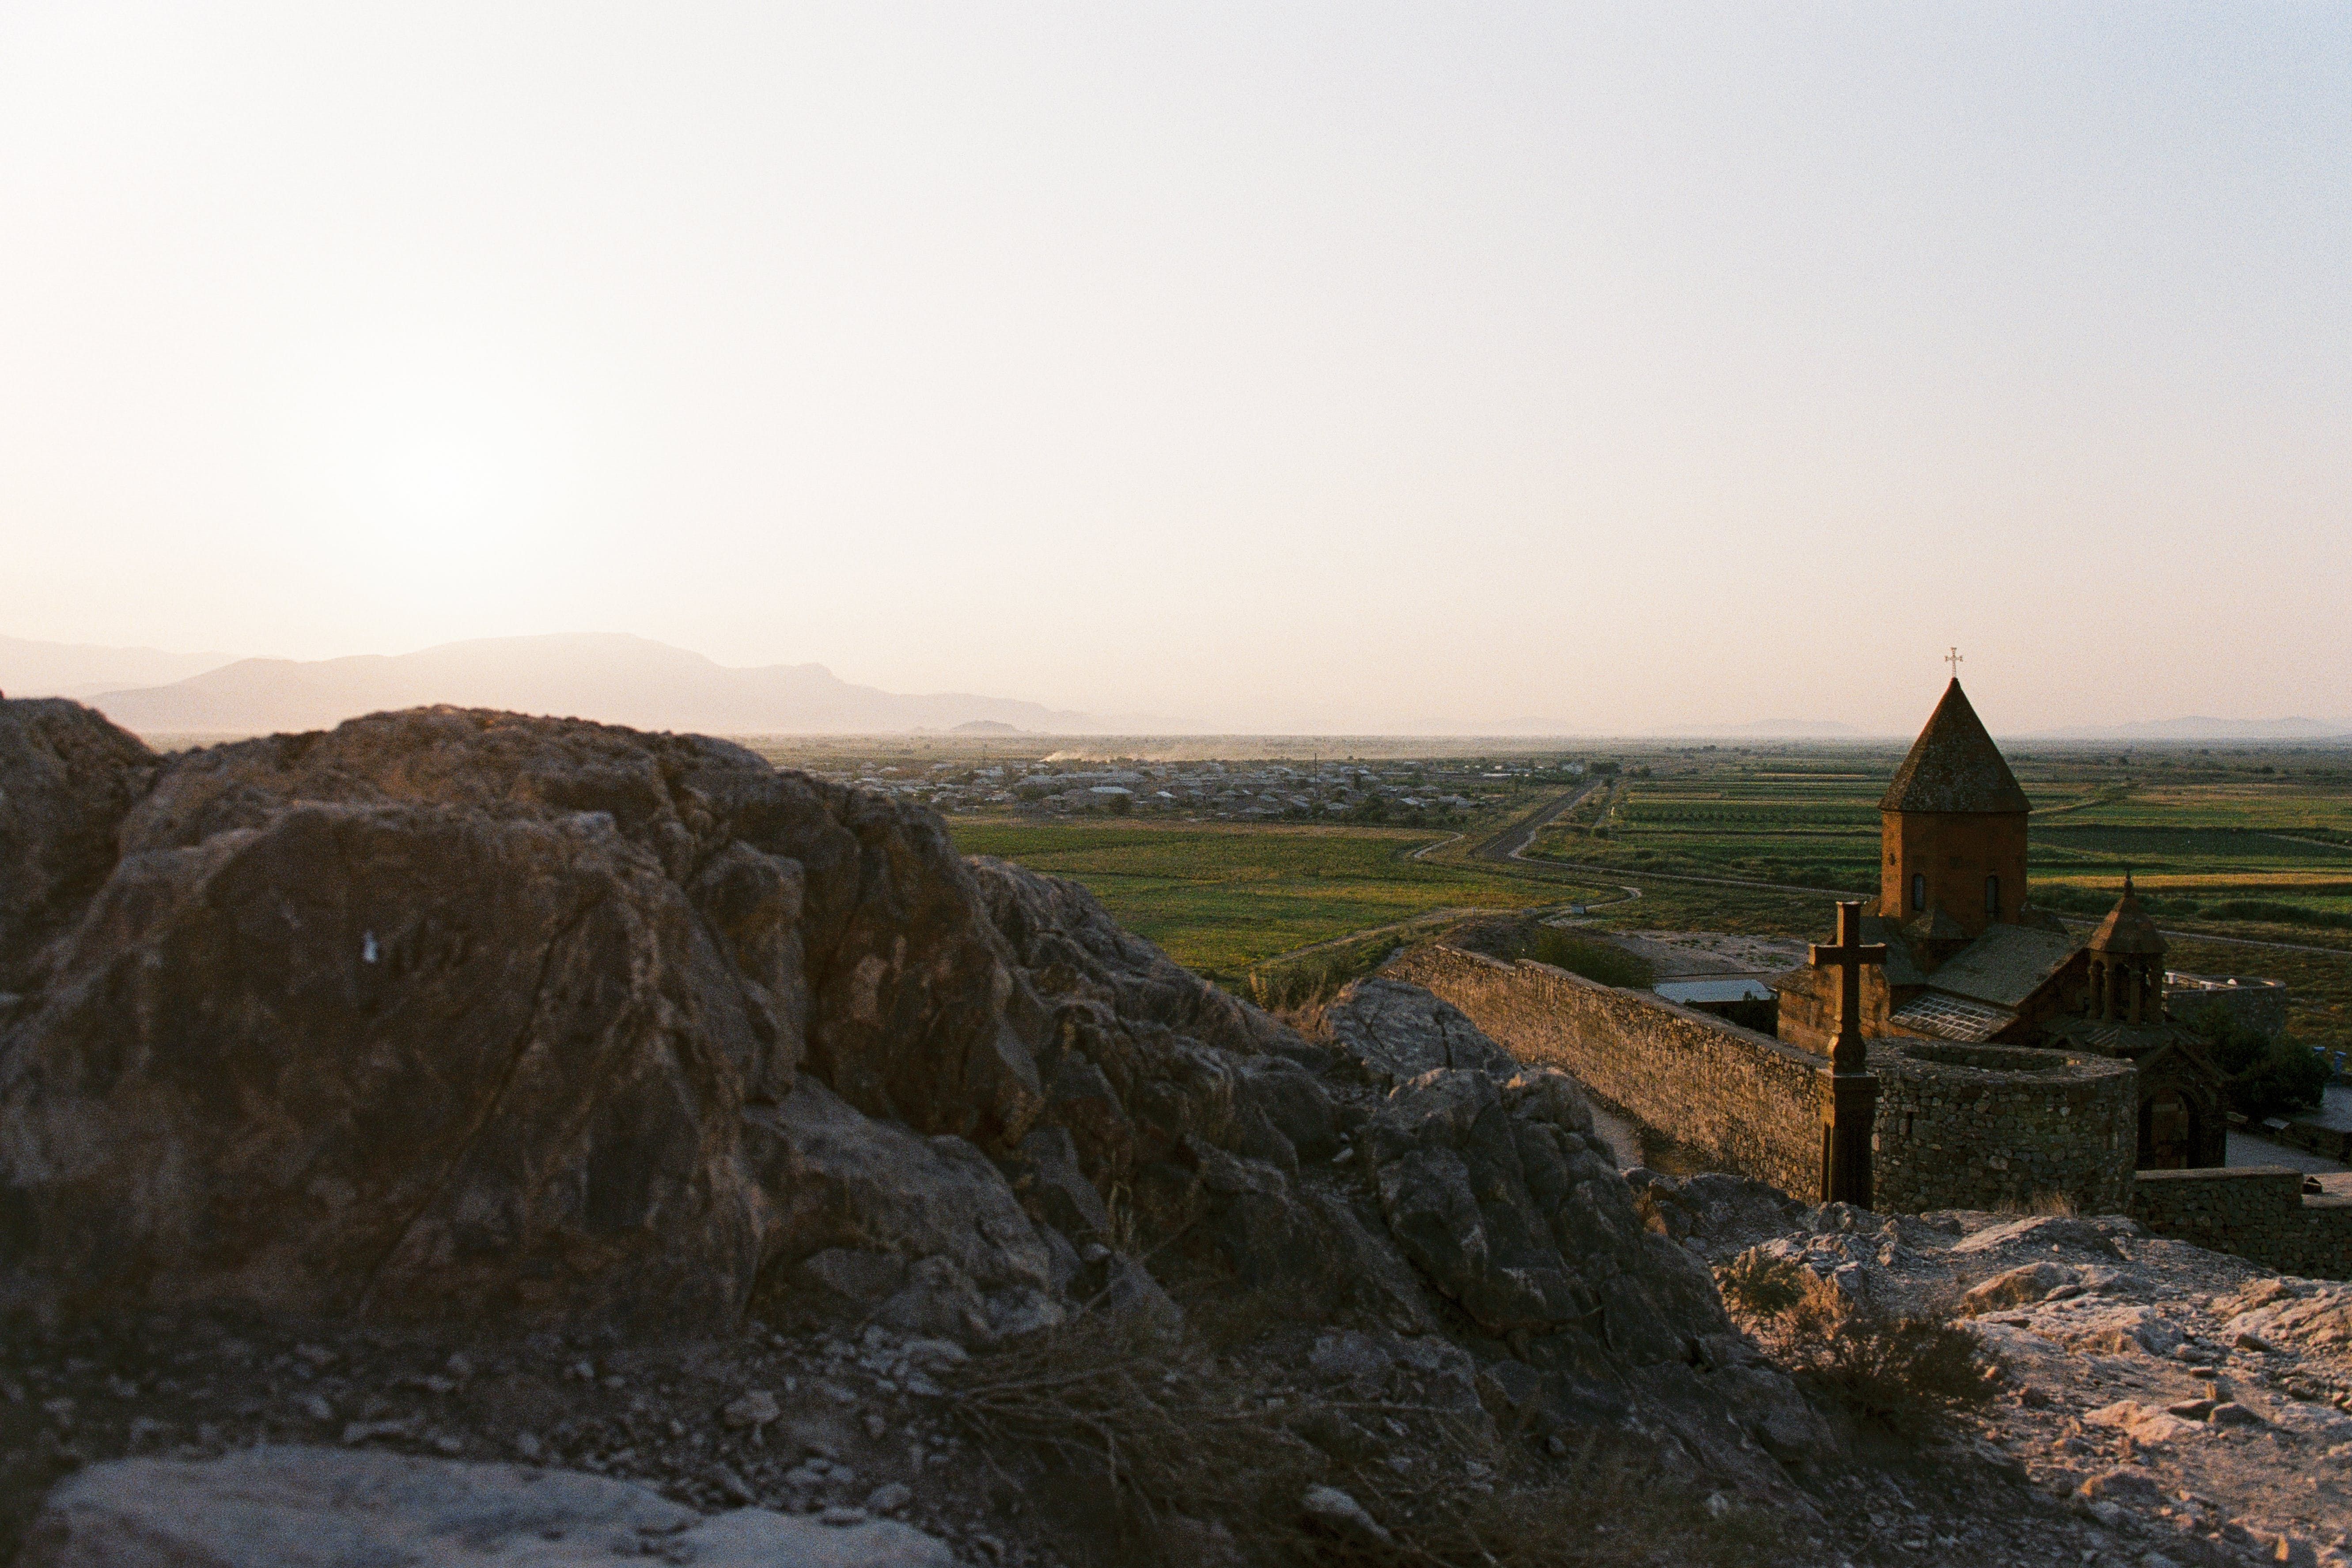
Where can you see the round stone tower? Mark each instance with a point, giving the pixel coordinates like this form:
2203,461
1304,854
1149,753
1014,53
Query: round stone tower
1952,827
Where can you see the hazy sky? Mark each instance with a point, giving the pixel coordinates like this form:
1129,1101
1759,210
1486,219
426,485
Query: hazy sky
1347,366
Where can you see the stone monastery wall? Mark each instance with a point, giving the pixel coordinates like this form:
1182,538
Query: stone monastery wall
2259,1212
1958,1126
1742,1098
1989,1127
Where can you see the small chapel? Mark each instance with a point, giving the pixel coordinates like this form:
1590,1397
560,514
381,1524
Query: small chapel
1969,959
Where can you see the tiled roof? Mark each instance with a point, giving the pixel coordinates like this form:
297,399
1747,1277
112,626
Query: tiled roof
2005,965
1951,1018
1954,765
1902,968
1935,926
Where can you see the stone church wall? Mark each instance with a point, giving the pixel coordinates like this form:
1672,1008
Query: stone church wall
2257,1004
2259,1212
1745,1100
1989,1127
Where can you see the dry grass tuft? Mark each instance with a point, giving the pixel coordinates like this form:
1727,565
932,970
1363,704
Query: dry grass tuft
1160,1429
1164,1451
1905,1371
1759,1285
1599,1508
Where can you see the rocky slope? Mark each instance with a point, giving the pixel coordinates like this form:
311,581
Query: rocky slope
2187,1407
455,1109
478,1026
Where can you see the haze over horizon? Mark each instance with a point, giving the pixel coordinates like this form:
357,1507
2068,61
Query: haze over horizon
1320,371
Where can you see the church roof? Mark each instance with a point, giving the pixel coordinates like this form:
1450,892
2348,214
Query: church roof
1950,1018
2127,929
2005,965
1954,765
1902,968
1936,925
2149,1045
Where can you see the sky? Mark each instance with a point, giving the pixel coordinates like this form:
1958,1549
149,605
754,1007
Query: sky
1352,368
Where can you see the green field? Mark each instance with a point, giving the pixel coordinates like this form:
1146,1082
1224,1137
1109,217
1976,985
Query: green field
2221,849
1220,899
2224,848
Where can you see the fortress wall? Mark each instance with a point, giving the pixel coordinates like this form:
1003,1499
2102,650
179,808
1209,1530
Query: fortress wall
1746,1101
1982,1127
1989,1127
2259,1212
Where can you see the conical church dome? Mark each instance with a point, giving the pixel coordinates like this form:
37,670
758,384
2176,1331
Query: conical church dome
2127,929
1954,765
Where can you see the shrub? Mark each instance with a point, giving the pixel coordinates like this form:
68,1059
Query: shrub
1302,984
1757,1284
2261,1075
1906,1372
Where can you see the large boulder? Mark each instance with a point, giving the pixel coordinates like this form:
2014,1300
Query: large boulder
1502,1195
68,778
449,1012
296,1507
391,1057
1392,1031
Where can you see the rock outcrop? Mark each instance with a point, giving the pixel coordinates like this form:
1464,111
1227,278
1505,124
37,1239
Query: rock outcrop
461,1015
1393,1032
1502,1194
298,1507
68,778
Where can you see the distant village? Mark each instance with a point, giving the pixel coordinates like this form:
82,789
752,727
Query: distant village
1405,792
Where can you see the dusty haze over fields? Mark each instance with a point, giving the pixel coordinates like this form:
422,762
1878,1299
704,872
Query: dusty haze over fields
1326,368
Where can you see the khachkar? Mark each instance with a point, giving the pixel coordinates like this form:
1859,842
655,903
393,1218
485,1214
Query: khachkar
1849,1090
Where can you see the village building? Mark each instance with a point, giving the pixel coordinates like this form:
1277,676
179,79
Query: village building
1970,960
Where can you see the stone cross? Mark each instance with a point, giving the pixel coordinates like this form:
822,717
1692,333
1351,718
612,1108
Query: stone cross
1849,1092
1954,658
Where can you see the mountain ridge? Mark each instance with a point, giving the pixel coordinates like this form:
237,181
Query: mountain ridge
610,676
29,667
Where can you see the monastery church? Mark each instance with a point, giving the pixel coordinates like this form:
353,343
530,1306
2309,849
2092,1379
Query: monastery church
1970,960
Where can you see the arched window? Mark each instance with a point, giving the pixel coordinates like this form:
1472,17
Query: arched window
1918,890
1992,895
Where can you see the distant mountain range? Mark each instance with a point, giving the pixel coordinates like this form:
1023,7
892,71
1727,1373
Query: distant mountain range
29,668
2200,728
1776,729
616,678
633,680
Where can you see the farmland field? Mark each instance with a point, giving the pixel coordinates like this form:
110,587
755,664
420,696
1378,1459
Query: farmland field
2229,856
2200,849
1220,899
2256,846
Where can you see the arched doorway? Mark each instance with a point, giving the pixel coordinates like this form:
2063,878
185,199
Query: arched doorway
2167,1131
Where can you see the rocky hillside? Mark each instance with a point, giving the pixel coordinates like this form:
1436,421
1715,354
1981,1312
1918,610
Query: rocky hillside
460,1136
469,1023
